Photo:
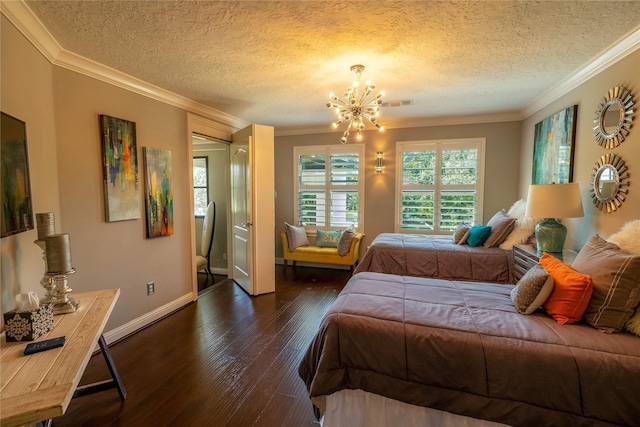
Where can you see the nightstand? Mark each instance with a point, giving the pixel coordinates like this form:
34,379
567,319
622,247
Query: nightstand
526,256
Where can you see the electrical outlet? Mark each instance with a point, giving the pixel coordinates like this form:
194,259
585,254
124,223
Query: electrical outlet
224,256
151,288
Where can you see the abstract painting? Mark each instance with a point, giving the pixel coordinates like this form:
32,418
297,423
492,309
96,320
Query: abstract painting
17,211
553,143
120,169
158,195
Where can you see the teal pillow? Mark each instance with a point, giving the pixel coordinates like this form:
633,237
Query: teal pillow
478,234
328,239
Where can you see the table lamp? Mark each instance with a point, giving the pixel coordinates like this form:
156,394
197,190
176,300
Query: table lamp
551,201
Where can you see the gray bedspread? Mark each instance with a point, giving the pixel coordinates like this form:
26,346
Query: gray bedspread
462,347
423,255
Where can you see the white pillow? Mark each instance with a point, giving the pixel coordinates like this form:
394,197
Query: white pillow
628,238
523,229
524,226
633,324
297,236
517,210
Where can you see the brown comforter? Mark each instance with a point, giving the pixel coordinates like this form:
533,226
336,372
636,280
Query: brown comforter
462,347
423,255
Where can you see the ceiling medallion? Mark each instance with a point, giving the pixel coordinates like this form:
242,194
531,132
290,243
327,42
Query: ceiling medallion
355,107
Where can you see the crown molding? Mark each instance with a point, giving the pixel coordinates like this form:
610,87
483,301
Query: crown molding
21,16
624,47
31,27
410,123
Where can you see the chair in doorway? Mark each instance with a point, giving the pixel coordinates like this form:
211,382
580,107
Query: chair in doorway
203,261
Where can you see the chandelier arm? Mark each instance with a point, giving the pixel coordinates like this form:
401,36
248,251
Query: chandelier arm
340,101
353,108
365,93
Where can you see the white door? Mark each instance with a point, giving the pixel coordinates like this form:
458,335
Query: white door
252,209
240,215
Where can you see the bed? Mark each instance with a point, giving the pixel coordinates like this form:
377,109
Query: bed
462,348
434,256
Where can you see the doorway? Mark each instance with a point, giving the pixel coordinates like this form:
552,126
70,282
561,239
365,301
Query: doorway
211,183
259,195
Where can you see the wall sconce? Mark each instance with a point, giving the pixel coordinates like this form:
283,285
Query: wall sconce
379,162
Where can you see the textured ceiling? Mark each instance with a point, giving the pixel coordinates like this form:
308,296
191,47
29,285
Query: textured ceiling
274,62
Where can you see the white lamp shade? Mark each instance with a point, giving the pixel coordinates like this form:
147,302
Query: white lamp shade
554,201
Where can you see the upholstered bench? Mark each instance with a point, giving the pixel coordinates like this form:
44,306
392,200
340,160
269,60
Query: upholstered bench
322,255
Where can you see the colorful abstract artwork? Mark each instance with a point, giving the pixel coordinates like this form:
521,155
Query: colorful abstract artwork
17,211
120,169
553,142
158,195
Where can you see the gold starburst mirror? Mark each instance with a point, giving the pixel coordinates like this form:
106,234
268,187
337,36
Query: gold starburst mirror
613,117
609,183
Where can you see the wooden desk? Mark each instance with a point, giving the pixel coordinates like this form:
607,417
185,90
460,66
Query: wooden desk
40,386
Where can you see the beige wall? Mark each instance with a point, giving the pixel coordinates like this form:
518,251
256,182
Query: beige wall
118,254
27,94
61,110
502,167
587,151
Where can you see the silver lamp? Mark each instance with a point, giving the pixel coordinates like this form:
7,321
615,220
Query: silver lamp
551,201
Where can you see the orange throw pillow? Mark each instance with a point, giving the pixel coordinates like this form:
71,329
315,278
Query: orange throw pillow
571,291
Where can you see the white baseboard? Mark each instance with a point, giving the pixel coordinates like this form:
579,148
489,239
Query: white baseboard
148,318
219,270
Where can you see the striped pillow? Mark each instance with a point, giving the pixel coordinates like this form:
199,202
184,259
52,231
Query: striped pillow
616,283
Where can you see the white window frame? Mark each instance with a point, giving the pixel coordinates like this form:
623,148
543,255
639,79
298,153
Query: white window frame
327,150
439,146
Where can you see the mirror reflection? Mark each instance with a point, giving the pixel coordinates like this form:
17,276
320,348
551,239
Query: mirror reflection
606,183
611,119
609,183
614,115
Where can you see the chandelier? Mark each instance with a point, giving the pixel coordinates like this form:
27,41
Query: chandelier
355,107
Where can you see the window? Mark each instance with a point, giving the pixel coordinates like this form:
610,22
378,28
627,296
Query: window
328,186
200,185
441,185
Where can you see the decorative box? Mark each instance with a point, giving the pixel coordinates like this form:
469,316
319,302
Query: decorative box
28,325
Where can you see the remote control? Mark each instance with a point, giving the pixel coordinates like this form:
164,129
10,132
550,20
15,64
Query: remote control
36,347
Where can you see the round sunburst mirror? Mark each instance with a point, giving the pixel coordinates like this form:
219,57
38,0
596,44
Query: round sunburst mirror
613,117
609,183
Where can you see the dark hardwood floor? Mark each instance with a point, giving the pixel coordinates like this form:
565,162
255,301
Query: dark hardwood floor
227,360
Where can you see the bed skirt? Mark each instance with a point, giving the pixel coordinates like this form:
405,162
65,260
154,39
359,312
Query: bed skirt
358,408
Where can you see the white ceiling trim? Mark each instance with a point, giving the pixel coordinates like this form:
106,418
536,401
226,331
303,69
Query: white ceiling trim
620,50
32,28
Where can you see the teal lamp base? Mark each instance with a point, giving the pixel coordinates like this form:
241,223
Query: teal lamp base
550,236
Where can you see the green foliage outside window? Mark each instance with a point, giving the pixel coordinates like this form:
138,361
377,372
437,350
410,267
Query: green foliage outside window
446,196
200,185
